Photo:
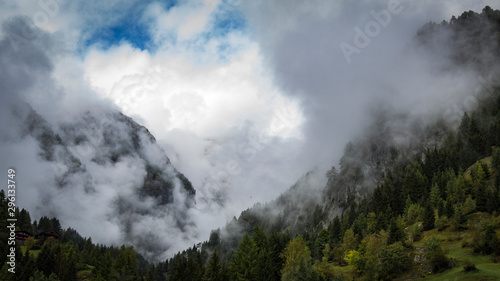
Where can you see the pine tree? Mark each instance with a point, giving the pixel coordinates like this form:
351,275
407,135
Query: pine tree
449,211
408,203
25,221
178,271
6,275
429,217
336,230
277,244
45,261
493,203
414,183
213,269
264,266
244,263
495,161
490,241
214,240
396,233
323,239
476,139
103,266
459,219
482,193
305,272
27,266
441,209
125,265
435,195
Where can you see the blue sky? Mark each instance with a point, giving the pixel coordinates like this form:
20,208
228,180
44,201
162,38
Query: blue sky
132,27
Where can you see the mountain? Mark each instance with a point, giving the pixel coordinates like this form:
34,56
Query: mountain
403,187
78,157
87,152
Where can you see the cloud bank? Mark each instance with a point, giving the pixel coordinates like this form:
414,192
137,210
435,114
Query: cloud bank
243,96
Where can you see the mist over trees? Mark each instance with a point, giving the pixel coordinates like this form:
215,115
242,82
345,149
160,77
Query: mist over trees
392,184
379,215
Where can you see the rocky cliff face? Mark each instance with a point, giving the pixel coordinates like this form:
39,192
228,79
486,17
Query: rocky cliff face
105,154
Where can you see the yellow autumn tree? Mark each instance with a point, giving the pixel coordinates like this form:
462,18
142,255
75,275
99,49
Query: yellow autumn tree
297,264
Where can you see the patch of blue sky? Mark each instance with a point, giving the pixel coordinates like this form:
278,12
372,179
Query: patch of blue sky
224,22
129,27
228,20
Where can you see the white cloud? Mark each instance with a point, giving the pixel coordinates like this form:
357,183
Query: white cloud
244,114
183,21
194,108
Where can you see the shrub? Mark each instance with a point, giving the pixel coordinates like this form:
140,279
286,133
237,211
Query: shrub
435,254
488,243
469,205
394,259
466,244
442,223
414,232
469,266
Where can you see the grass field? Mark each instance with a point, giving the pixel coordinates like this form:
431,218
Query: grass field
488,268
34,253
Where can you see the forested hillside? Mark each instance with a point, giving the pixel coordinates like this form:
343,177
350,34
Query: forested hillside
410,199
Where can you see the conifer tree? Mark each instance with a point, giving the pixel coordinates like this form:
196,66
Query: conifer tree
244,263
213,269
429,217
24,221
277,244
482,196
45,261
396,233
264,266
323,239
408,203
414,183
435,195
493,202
103,267
449,211
27,267
459,219
336,230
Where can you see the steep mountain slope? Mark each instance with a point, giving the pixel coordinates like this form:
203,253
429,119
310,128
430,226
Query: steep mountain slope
78,158
105,153
393,139
407,191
